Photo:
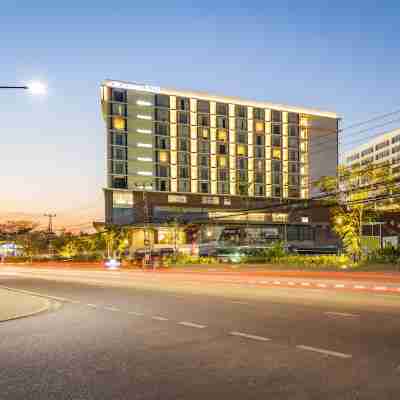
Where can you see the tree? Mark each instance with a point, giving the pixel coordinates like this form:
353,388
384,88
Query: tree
357,194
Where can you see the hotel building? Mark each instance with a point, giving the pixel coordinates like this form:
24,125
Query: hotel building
199,158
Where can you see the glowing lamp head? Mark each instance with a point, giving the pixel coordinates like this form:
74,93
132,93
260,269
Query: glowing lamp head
37,88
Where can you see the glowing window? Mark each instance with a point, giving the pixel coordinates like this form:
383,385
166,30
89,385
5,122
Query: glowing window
221,161
276,153
204,133
222,135
241,150
118,123
259,126
163,156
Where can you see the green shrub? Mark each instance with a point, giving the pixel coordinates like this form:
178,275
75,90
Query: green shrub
185,259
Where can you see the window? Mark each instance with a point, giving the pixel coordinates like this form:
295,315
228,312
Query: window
294,180
276,129
395,149
203,187
119,168
203,106
222,109
241,137
276,154
276,191
259,126
293,131
183,144
162,100
395,139
259,177
183,131
119,123
118,109
259,140
382,154
162,185
183,172
119,95
223,187
367,151
276,178
204,161
162,171
122,199
161,129
162,142
203,120
259,190
163,156
293,192
222,135
222,122
183,158
293,155
223,174
258,113
241,163
119,153
242,175
259,166
293,118
183,117
241,150
381,145
182,103
203,133
222,148
183,186
119,182
204,146
294,168
161,115
242,189
241,111
276,166
204,174
241,124
221,161
259,152
276,141
118,139
293,142
276,116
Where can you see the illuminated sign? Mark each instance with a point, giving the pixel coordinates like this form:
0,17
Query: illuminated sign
134,86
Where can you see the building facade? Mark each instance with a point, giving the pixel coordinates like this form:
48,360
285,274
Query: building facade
199,158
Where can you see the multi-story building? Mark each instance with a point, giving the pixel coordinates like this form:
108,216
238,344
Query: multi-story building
380,149
199,158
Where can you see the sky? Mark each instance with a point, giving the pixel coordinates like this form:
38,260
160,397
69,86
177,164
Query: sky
339,56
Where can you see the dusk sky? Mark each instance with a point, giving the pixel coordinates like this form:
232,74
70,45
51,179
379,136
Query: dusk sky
341,58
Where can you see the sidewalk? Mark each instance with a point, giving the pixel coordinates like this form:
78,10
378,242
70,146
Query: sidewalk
15,305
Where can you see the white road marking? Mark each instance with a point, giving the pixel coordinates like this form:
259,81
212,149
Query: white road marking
305,284
323,351
136,313
359,287
239,302
248,336
291,283
156,317
192,324
91,305
277,282
380,288
62,299
111,308
339,286
321,285
340,314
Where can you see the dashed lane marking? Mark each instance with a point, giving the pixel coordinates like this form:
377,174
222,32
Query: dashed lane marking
340,314
111,308
240,302
158,318
192,325
91,305
249,336
136,313
323,351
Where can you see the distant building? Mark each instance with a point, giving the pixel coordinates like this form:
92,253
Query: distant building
200,158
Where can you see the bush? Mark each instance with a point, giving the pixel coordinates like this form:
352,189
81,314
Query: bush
184,259
385,255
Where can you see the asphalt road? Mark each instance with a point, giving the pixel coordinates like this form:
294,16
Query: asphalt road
144,336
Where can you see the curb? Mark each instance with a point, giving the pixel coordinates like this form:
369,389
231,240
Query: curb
29,314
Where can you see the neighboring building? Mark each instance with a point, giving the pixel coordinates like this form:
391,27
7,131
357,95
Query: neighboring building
383,148
199,158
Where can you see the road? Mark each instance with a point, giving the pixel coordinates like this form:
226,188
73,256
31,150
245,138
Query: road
116,335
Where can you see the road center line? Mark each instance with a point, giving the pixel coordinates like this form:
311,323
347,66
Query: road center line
340,314
192,324
248,336
158,318
323,351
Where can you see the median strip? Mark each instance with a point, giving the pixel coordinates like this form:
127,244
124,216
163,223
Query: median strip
323,351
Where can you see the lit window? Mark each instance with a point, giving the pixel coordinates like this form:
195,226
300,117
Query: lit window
122,199
276,153
163,156
147,145
259,126
148,131
145,173
118,123
222,134
222,162
144,159
141,116
204,133
241,150
143,103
